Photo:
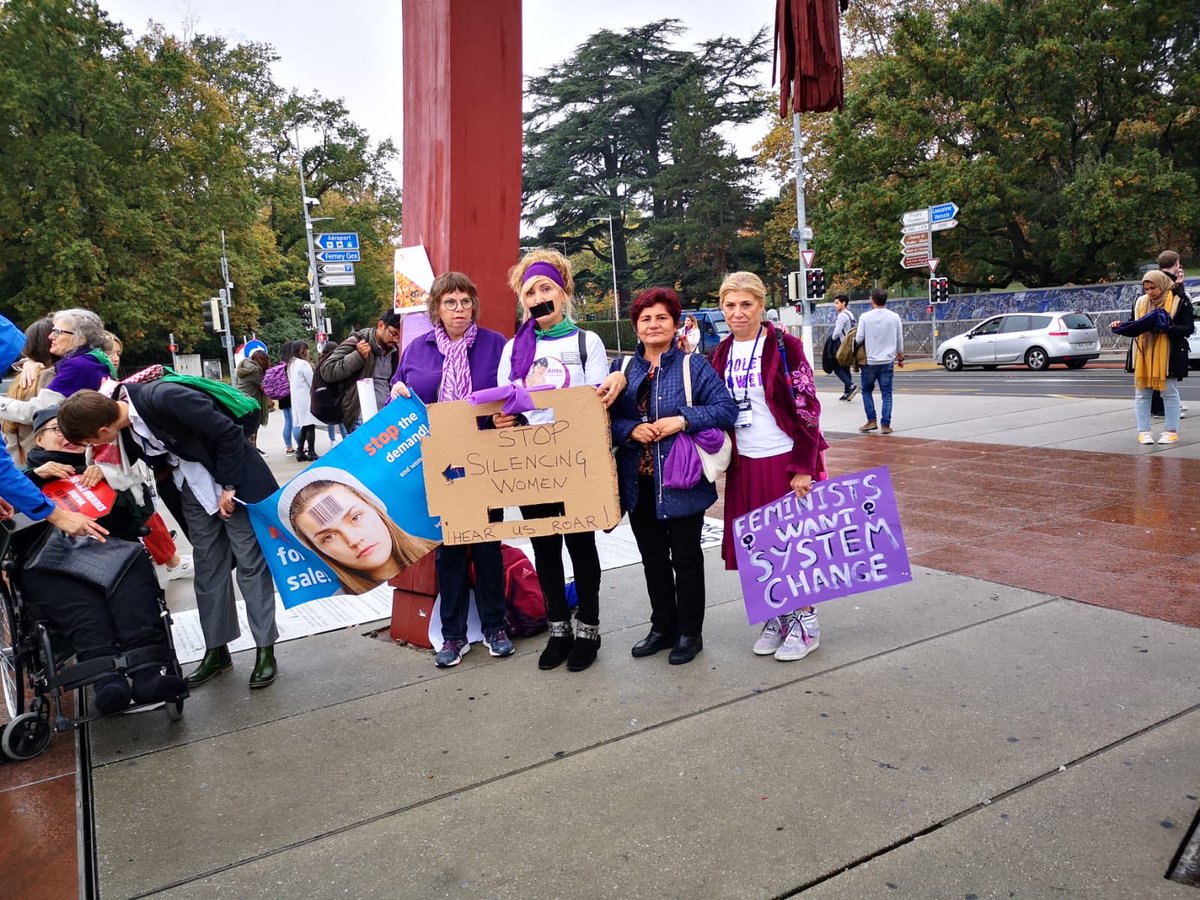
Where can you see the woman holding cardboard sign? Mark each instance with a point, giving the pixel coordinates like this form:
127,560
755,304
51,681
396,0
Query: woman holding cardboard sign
669,392
449,362
777,442
553,350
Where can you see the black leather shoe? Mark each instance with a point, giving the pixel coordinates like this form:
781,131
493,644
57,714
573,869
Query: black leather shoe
265,669
652,643
685,649
215,662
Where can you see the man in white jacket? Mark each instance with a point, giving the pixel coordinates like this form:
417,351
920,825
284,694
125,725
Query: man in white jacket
882,333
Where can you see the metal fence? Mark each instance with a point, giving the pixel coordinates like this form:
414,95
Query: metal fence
918,339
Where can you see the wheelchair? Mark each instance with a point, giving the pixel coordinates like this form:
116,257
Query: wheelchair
36,668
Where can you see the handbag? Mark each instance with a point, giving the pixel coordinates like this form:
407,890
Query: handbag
102,565
713,462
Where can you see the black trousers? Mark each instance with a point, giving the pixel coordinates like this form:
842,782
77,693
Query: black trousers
547,559
308,436
673,563
99,626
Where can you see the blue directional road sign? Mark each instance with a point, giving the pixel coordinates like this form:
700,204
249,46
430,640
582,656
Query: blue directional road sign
347,240
338,256
943,211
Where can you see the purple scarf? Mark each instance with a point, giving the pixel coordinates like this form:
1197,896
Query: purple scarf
456,370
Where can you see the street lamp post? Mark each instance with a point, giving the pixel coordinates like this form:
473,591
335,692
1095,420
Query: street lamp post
612,252
314,286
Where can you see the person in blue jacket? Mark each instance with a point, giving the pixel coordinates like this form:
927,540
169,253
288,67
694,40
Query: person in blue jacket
450,361
667,522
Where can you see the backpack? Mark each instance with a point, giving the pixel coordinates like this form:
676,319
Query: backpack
524,605
326,397
242,409
523,600
275,382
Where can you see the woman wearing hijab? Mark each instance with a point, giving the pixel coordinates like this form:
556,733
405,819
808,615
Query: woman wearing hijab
1158,357
449,362
565,357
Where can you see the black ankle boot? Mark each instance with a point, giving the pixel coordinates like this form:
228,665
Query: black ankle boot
558,647
586,646
214,663
151,686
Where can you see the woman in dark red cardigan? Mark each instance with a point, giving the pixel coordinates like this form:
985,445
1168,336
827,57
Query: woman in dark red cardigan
777,441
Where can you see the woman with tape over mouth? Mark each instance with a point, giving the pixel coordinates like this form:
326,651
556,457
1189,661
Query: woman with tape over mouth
552,349
447,363
341,520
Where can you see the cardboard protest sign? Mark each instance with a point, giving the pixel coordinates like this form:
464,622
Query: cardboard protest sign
94,502
356,518
470,471
843,538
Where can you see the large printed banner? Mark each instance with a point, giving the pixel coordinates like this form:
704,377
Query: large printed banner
843,538
357,517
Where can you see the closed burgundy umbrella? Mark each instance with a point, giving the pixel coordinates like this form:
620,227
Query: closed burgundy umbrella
808,55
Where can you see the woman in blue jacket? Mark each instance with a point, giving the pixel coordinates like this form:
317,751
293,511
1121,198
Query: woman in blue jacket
666,522
449,362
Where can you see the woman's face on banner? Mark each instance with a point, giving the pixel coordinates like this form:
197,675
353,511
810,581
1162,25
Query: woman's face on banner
347,529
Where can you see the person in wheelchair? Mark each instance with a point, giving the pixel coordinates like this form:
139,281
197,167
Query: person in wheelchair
106,616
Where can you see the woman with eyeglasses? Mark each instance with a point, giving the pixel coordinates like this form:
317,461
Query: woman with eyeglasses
450,361
76,341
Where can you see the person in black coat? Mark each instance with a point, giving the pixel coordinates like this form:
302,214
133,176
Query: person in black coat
216,470
1169,263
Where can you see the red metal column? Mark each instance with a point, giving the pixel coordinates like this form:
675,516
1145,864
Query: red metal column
462,142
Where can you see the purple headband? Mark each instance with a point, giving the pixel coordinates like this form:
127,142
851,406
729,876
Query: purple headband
546,269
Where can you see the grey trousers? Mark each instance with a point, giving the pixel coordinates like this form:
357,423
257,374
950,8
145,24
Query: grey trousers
218,543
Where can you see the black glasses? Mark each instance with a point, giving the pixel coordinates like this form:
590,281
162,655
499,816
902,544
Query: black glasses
58,331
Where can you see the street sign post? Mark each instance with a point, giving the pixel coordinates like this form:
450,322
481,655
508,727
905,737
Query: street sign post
915,217
916,261
336,268
924,239
942,212
943,225
808,256
338,256
345,240
337,280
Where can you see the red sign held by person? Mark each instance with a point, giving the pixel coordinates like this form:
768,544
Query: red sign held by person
94,502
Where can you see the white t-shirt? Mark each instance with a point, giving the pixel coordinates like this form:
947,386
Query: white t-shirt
743,378
556,362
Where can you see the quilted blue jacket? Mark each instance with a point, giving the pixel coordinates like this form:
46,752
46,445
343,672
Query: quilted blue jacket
712,407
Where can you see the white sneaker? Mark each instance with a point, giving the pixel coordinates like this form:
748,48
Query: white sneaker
185,569
803,638
1145,437
1169,437
772,636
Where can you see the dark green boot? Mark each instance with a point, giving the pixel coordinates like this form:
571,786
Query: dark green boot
264,668
216,661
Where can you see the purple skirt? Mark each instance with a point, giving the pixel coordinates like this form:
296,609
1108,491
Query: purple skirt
749,484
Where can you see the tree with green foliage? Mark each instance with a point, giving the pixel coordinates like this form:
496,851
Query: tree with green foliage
1067,134
625,124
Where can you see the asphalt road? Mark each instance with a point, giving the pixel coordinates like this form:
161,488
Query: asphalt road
1103,383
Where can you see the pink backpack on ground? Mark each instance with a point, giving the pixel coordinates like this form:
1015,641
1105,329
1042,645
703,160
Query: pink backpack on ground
524,604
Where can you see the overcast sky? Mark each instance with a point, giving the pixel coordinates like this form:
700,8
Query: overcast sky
352,50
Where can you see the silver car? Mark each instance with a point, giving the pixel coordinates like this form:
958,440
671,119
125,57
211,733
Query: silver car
1035,339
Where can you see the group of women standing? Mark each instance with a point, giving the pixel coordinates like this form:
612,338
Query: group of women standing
759,388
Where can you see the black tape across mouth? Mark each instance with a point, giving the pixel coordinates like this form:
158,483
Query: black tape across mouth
542,310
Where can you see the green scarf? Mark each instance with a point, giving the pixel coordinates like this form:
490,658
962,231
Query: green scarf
562,329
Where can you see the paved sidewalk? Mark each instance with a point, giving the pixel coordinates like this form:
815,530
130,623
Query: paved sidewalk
978,732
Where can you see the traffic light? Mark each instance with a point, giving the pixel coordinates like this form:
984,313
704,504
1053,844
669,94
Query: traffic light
939,290
818,285
211,309
307,315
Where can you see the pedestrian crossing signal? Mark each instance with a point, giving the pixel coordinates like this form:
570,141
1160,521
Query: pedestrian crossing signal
939,290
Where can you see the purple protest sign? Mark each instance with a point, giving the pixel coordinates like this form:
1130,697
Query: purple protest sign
843,538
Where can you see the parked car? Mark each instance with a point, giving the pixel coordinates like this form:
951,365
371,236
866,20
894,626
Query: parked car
1035,339
1194,350
713,329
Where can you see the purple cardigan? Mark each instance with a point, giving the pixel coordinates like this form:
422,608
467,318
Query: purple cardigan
78,371
421,366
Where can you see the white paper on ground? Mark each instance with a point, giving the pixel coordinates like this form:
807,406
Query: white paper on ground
345,611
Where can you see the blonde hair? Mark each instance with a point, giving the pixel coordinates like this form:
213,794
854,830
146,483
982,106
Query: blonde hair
744,281
516,277
406,548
